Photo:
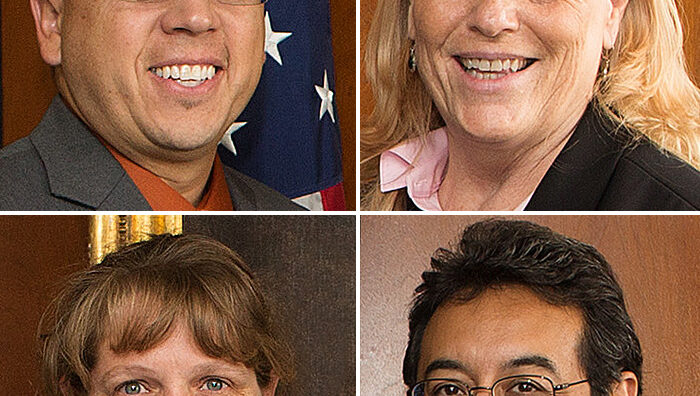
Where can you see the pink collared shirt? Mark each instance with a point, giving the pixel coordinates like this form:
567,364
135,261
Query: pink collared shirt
419,166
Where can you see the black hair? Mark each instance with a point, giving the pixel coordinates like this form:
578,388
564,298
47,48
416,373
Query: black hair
560,270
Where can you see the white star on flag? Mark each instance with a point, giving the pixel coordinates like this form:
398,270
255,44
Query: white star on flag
227,139
273,38
326,97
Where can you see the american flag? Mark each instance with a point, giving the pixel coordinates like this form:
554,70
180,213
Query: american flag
288,135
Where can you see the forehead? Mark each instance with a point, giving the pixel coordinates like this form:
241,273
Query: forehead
178,342
177,355
500,327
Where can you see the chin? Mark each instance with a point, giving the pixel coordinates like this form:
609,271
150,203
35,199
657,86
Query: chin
186,139
488,129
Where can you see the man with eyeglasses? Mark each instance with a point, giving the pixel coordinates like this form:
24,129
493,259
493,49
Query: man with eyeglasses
517,309
147,89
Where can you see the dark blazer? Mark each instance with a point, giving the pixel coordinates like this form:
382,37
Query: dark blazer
603,167
62,166
606,168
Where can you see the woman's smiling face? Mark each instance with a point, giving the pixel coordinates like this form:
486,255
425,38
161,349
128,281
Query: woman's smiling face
511,71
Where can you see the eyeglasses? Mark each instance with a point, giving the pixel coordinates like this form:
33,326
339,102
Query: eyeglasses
516,385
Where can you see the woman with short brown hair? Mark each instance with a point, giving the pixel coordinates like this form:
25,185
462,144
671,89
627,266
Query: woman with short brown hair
173,315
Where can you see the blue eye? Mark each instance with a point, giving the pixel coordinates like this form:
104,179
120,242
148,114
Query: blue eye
214,384
132,388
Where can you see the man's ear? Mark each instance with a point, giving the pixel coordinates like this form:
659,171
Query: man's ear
411,27
627,386
612,24
47,20
269,390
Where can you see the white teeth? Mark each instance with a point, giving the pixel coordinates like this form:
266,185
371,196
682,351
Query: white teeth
193,75
485,65
190,84
491,69
514,65
506,64
496,65
185,72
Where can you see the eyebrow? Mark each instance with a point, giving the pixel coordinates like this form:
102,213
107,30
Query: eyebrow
448,364
237,369
124,370
531,360
527,360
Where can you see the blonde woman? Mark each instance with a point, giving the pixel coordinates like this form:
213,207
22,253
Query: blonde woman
530,105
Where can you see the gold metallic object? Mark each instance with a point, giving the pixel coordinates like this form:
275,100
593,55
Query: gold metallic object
111,232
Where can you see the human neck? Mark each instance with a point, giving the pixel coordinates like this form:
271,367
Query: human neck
498,175
186,172
188,176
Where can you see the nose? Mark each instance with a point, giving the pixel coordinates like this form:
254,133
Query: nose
190,16
477,390
494,17
177,390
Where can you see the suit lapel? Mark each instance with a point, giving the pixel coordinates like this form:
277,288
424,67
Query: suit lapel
578,178
79,168
242,197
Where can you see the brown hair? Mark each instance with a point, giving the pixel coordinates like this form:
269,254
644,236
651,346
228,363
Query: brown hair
132,299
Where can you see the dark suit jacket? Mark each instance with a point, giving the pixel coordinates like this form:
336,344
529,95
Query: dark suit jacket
62,166
606,168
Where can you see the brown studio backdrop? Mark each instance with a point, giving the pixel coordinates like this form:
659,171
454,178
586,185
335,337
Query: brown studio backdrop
27,94
305,263
654,257
690,17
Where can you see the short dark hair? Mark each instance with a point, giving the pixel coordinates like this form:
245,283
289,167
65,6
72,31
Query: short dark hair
134,297
560,270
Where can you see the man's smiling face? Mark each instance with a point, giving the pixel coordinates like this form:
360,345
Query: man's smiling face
158,76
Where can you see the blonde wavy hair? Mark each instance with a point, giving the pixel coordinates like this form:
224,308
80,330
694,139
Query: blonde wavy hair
647,88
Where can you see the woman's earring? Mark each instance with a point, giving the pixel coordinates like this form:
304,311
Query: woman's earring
412,58
605,63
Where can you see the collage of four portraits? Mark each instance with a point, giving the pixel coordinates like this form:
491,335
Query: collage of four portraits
257,198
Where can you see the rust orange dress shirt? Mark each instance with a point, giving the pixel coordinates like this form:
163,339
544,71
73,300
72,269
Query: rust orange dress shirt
162,197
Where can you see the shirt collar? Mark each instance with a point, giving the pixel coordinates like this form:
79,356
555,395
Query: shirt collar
162,197
418,165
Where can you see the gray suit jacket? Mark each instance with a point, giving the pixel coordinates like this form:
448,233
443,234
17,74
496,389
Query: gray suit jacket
62,166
